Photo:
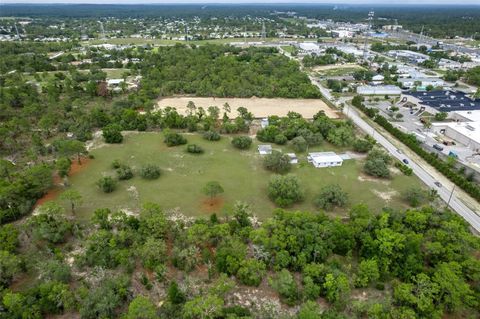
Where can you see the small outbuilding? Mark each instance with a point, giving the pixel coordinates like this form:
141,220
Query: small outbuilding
293,158
265,149
324,159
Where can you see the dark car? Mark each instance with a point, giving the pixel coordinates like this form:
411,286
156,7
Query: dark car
437,147
405,161
438,184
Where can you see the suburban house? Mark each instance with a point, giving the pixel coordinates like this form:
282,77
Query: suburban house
324,159
265,149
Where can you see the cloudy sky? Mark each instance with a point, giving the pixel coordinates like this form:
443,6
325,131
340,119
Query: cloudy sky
477,2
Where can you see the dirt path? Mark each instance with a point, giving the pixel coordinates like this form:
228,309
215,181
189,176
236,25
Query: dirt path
260,107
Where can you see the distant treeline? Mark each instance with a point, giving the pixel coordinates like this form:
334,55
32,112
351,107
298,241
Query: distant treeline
439,21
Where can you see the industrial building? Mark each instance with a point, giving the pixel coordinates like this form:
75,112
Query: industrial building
444,101
465,130
410,56
409,83
342,34
309,48
379,90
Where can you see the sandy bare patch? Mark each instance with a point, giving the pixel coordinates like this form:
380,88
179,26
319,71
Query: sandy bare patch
364,178
260,107
336,66
386,196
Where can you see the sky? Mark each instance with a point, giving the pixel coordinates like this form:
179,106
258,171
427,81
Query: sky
380,2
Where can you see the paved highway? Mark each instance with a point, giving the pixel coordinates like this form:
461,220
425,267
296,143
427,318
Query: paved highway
455,204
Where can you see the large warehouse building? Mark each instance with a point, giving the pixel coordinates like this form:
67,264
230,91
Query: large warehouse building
465,130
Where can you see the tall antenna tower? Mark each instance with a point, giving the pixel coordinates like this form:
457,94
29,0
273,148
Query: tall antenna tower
245,34
264,31
16,30
102,30
186,32
371,14
421,35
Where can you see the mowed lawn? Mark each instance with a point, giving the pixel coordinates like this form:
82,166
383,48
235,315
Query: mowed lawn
240,172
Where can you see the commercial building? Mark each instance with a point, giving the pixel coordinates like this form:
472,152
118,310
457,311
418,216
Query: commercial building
342,34
379,90
309,48
409,83
410,56
443,101
465,130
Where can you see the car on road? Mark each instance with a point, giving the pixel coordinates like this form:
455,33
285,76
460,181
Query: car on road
405,161
437,147
438,184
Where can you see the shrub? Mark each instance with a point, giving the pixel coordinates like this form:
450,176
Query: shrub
362,145
112,133
284,190
330,196
299,144
116,164
150,171
284,283
414,196
211,136
124,172
107,184
242,142
277,162
174,139
280,139
194,149
251,272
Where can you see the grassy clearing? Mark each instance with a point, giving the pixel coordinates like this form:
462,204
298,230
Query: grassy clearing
239,172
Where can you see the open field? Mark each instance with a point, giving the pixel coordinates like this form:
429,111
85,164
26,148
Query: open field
239,172
260,107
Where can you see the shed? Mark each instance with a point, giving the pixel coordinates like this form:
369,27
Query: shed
293,158
265,149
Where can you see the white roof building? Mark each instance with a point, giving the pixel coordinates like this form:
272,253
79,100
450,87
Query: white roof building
265,149
410,83
309,47
324,159
379,90
466,132
293,158
114,82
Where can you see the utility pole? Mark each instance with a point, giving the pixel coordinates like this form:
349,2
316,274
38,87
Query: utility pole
451,194
264,31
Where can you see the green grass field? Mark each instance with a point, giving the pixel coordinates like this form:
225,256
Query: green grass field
239,172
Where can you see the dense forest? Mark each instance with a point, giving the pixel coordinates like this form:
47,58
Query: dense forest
413,264
223,71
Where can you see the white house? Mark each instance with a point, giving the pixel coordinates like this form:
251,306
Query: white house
293,158
324,159
378,79
265,149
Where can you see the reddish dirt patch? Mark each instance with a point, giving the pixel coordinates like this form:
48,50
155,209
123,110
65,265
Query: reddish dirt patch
78,167
53,192
212,204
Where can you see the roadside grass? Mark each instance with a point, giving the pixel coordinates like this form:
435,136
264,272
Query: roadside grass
240,173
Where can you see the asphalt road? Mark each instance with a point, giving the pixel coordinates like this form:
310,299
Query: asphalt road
454,202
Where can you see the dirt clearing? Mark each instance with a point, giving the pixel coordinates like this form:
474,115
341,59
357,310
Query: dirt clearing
260,107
